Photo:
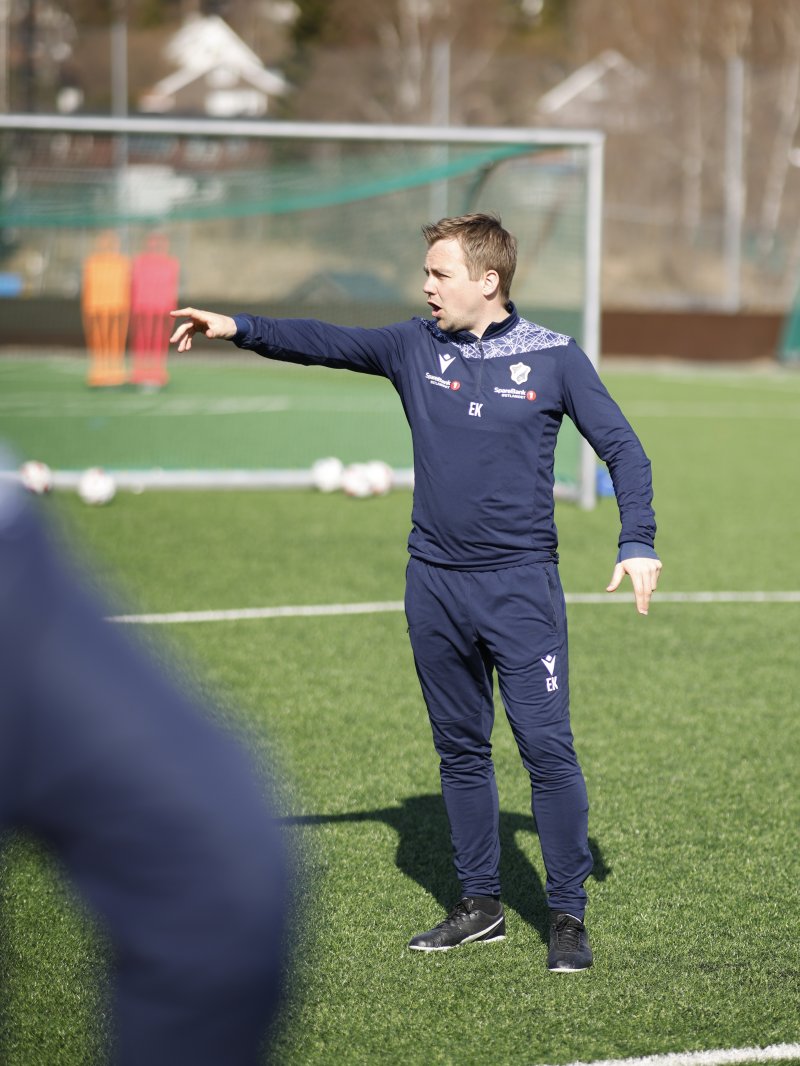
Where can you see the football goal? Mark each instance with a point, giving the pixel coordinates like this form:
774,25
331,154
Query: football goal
292,220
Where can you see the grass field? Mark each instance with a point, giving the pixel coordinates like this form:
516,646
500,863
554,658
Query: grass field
686,723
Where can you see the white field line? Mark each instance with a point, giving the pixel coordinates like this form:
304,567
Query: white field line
317,610
687,597
712,410
773,1053
250,613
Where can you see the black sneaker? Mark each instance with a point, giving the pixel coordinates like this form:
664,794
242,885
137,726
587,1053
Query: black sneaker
471,921
569,944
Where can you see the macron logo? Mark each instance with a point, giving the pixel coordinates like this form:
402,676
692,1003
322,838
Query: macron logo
445,361
550,665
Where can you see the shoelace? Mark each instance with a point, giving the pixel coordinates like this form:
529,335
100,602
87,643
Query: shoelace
568,933
461,910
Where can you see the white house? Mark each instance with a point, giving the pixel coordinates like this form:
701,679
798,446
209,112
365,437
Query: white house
607,92
216,74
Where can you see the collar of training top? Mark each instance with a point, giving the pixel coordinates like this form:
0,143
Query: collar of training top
494,329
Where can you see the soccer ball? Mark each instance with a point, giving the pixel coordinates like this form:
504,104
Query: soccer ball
36,477
96,487
356,481
380,476
327,474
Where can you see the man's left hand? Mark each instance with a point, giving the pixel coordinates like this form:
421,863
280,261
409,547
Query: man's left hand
644,576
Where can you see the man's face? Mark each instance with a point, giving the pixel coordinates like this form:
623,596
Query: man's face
456,301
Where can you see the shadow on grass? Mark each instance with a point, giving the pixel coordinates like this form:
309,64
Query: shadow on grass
424,853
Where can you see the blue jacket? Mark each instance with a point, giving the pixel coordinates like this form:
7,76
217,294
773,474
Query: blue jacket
484,414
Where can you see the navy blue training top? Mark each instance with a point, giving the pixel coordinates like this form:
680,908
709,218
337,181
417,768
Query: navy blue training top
484,415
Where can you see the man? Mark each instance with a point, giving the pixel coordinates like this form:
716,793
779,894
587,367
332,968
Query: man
484,392
157,814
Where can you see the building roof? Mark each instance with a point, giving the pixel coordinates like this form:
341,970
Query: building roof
208,54
603,79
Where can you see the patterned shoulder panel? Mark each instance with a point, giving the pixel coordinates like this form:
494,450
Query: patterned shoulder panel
524,337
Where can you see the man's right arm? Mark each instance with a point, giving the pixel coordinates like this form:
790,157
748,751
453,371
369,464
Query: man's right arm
297,340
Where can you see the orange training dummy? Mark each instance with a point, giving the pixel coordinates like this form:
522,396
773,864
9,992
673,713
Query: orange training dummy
105,303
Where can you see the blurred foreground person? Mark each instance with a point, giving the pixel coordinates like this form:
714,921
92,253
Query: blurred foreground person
155,813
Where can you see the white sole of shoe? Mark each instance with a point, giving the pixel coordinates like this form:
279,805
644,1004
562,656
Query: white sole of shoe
451,947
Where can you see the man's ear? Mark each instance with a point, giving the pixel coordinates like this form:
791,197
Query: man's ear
491,283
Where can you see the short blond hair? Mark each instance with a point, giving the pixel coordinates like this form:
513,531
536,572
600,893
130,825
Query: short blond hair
486,245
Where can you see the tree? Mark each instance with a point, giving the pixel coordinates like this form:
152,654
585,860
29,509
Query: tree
404,60
787,19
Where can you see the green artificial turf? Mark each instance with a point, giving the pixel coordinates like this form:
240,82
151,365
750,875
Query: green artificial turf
685,721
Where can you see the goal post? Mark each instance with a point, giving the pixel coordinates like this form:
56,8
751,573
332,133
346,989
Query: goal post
311,219
789,340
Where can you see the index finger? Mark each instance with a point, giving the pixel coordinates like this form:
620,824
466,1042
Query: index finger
645,583
642,591
643,599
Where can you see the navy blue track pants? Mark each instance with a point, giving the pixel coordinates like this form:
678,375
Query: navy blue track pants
463,626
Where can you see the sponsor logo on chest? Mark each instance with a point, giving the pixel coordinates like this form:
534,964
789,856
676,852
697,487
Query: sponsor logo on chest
443,383
445,359
519,375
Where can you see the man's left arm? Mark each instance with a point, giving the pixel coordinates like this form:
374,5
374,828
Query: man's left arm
600,420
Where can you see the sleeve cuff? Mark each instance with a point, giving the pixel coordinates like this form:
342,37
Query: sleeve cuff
633,549
242,329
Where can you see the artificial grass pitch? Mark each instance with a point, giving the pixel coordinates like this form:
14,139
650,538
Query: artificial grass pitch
685,721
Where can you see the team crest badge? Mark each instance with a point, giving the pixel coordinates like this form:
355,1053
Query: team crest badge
519,373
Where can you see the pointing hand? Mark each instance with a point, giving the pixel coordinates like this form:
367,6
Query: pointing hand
213,326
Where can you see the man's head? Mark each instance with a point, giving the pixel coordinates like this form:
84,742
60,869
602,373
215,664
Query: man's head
469,267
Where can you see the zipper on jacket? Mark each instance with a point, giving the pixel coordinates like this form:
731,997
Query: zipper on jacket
480,369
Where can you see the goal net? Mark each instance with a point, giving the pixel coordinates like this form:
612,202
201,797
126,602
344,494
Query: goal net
285,219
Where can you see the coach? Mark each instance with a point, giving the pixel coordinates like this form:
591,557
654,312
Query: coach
484,392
